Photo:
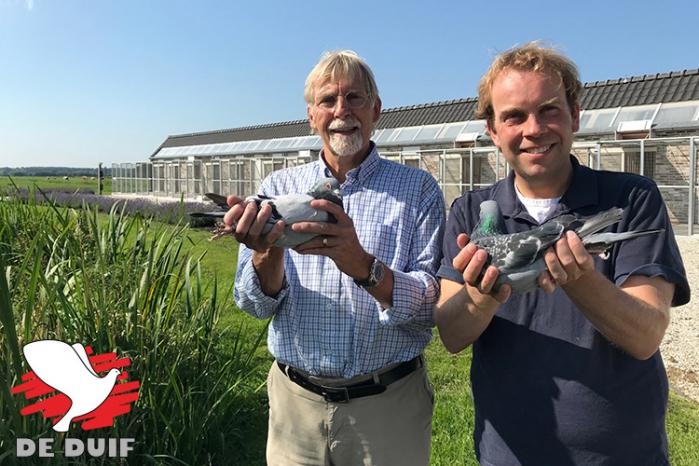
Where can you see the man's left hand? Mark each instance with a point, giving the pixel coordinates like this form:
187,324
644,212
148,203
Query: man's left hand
566,261
338,241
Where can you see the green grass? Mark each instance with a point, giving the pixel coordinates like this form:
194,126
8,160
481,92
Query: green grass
452,425
452,441
55,182
683,431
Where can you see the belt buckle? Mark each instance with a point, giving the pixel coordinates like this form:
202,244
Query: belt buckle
335,394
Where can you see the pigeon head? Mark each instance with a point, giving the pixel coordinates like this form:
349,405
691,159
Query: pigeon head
328,189
490,222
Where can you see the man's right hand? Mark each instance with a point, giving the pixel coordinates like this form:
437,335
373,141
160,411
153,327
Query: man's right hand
464,311
470,262
246,223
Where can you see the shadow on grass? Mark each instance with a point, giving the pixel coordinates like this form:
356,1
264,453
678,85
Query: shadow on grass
248,448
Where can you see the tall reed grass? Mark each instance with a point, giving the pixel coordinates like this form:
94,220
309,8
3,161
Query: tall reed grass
123,285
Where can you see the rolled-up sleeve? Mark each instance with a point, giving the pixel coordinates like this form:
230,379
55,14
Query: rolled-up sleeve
248,293
456,224
415,289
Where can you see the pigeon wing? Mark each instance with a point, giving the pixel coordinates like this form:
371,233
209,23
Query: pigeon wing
520,249
597,222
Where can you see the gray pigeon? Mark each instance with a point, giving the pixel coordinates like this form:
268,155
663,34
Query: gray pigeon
293,208
519,256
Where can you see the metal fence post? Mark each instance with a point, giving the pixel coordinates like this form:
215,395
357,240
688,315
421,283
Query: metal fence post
692,183
470,169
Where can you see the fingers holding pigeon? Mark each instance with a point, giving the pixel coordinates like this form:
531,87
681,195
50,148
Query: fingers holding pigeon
566,261
246,223
338,241
480,282
326,236
237,207
335,210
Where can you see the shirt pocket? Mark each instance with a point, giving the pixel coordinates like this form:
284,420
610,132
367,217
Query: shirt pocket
380,240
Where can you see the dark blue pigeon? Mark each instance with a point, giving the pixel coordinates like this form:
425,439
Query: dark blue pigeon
519,256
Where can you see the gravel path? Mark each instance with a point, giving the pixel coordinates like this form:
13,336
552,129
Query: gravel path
680,347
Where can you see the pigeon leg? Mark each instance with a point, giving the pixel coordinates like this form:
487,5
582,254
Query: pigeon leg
221,231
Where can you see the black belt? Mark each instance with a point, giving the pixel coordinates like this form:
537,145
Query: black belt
356,390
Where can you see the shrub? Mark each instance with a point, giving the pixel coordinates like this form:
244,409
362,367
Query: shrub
120,285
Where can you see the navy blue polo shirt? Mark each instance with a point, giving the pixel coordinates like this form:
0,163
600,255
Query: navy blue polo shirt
548,388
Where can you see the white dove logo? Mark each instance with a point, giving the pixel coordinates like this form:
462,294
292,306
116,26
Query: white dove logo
67,369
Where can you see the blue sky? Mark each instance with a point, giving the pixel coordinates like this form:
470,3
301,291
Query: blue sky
83,82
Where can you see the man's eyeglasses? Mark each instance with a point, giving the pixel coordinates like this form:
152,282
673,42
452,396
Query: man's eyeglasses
354,101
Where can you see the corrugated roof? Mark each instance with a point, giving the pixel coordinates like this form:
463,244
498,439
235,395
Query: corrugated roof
285,129
675,86
428,114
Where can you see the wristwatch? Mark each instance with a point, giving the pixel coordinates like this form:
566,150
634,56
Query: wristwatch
376,274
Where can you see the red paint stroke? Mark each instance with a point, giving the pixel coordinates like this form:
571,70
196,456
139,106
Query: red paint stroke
56,405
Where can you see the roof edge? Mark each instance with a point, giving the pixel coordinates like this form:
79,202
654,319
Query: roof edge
644,77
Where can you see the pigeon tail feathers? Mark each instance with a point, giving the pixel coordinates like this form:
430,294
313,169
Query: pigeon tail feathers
601,242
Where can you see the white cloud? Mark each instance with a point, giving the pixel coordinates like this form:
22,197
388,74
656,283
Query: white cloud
29,4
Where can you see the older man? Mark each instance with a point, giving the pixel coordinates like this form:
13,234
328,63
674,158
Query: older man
352,308
570,373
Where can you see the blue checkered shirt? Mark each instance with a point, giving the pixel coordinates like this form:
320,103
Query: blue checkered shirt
323,323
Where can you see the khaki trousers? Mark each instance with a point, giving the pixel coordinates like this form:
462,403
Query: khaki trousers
393,428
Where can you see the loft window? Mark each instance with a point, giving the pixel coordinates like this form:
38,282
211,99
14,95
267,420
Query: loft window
632,162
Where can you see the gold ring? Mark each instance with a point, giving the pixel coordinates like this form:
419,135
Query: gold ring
325,242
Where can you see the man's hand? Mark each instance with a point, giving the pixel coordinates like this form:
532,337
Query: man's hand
470,261
465,311
567,261
245,222
338,241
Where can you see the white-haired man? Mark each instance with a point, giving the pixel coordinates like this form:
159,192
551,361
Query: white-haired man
352,308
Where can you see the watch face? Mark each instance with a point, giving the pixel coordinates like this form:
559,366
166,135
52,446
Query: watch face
376,274
376,271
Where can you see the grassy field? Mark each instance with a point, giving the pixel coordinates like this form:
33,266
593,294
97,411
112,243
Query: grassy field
452,443
56,182
453,419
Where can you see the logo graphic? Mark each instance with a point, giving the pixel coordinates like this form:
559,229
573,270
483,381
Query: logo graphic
83,395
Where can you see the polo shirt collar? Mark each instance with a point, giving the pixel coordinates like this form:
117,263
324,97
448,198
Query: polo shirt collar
581,192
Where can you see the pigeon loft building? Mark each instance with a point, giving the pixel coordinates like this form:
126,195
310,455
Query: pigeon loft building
647,125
